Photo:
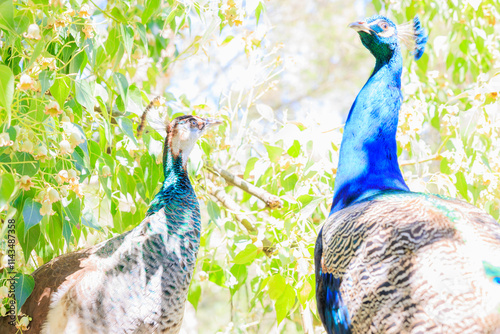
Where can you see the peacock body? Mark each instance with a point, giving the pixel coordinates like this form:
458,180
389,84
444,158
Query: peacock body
138,281
388,260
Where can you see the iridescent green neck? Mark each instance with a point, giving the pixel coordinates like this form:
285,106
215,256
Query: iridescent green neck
176,182
173,170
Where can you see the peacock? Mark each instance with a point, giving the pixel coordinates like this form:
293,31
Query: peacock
136,282
388,260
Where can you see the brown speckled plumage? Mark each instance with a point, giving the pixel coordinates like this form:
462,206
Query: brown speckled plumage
412,263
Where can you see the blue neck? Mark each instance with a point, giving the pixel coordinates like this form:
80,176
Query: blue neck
176,186
368,160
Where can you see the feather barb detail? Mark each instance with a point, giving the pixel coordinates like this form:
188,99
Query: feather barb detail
413,36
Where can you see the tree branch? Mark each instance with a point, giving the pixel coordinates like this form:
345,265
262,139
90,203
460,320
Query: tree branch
409,163
307,320
244,218
272,201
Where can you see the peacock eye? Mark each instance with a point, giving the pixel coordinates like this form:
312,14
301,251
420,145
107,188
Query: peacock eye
193,123
384,25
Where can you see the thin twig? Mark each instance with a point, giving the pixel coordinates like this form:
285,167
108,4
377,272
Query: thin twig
409,163
272,201
243,217
307,321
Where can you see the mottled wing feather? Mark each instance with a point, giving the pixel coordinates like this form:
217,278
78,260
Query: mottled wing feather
136,282
410,263
48,278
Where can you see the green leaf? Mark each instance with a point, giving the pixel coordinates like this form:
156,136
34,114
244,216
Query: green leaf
127,38
260,8
290,181
171,16
7,15
47,79
240,272
444,166
285,302
66,231
84,95
150,8
54,232
194,294
94,152
60,90
31,214
71,209
7,186
112,43
78,63
294,150
274,152
125,125
143,34
247,255
213,210
121,84
214,271
307,211
6,88
36,52
378,5
250,166
276,286
23,163
117,15
89,220
423,62
120,104
304,293
82,162
227,40
462,185
23,287
28,241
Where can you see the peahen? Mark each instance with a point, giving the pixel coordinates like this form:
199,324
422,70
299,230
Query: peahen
388,260
138,281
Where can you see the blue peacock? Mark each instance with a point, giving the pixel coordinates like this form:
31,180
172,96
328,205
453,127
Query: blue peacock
138,281
388,260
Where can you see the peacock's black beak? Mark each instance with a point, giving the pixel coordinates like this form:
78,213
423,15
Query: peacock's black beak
211,122
361,26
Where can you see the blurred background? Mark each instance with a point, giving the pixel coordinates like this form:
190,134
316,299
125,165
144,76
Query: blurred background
282,75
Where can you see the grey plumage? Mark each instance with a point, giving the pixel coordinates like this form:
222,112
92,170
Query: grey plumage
413,263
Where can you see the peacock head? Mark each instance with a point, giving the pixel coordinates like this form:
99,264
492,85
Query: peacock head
382,36
184,131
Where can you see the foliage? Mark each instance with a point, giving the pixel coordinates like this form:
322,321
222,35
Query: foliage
75,76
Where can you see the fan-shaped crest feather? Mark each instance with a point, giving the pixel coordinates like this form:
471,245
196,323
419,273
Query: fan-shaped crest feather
413,36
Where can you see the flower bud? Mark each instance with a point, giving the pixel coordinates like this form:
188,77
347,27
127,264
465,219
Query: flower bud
106,171
53,195
65,147
33,32
25,182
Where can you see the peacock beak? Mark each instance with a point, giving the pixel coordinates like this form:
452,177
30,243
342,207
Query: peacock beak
361,26
211,122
